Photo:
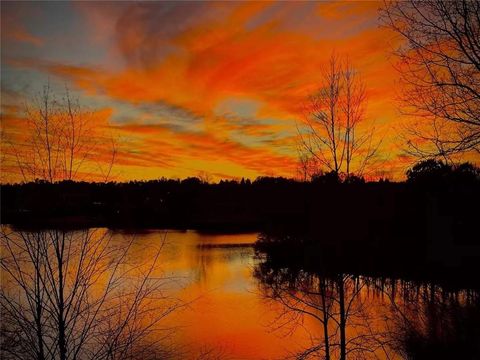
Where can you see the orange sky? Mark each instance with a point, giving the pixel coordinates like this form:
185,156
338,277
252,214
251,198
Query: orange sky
189,87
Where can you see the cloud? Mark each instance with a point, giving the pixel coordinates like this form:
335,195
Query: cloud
187,147
221,82
13,28
195,68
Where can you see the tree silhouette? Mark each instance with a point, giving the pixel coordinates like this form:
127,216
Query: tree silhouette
431,171
332,300
330,135
429,322
78,295
440,71
60,141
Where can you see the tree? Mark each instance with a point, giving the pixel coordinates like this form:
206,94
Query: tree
429,172
78,295
439,64
330,135
436,172
307,167
61,141
204,177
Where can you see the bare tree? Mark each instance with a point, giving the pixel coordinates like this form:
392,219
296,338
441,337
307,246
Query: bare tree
308,166
439,64
78,295
61,141
427,141
204,177
353,108
330,132
300,294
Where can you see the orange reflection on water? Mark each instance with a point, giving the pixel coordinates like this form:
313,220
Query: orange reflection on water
225,311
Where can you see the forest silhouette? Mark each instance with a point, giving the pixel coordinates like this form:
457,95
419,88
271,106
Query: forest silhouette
368,226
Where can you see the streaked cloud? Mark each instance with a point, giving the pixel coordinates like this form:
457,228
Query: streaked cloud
214,86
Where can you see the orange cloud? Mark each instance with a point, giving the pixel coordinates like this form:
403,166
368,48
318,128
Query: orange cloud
166,148
199,57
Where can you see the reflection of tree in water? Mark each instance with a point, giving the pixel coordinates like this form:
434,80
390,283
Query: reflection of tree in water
363,317
430,322
336,301
207,255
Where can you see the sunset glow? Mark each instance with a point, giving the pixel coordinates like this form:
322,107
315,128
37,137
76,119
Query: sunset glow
217,180
188,87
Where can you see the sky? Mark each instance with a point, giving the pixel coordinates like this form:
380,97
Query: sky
190,87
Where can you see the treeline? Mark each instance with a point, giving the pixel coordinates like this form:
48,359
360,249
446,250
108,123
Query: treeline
182,204
242,205
425,229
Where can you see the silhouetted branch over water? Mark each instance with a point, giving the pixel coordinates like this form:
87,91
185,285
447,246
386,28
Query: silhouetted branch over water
80,295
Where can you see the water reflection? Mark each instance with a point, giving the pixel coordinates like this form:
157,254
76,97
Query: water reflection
434,323
365,317
240,304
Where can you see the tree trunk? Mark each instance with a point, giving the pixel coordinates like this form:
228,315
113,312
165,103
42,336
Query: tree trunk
325,319
38,320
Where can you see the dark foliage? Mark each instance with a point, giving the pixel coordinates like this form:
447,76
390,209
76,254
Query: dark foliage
434,173
430,219
432,189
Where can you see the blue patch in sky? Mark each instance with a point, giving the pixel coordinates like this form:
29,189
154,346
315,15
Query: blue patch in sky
244,108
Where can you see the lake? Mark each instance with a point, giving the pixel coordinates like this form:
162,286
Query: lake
234,304
231,311
227,311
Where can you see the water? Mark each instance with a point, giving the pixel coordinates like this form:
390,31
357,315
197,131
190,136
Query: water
227,312
235,305
239,310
